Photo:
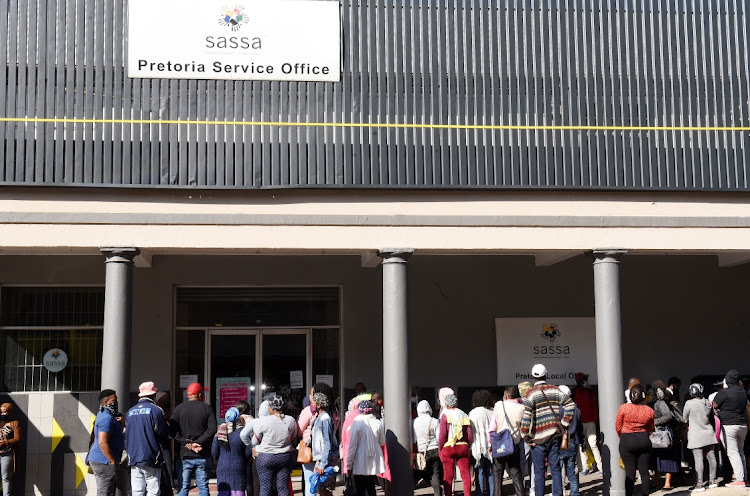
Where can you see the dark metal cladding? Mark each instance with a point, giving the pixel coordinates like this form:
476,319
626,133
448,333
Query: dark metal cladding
575,94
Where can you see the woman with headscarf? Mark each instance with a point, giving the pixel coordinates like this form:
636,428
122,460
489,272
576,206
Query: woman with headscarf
442,394
731,403
274,438
425,434
634,423
231,456
365,455
325,447
454,441
667,459
701,438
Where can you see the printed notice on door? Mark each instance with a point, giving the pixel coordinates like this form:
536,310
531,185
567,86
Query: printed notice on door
230,390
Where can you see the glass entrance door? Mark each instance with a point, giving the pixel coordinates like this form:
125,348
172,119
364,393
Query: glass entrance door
248,364
285,367
233,370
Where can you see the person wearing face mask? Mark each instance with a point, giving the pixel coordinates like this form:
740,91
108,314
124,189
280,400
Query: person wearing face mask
10,435
108,444
585,398
146,431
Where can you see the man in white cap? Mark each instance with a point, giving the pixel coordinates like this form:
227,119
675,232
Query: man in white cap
146,429
542,425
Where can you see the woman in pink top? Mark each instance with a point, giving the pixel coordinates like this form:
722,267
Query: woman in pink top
635,421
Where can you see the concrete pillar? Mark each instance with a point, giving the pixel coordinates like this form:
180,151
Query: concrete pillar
609,363
396,370
118,327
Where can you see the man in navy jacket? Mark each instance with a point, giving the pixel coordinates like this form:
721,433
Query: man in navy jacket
146,429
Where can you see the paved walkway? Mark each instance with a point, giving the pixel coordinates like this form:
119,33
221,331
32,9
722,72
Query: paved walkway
589,485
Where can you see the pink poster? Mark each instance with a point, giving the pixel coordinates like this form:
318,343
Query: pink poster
230,390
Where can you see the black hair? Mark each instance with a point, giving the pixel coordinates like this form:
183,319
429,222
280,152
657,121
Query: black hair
359,388
243,406
675,380
512,392
377,410
637,394
106,393
482,397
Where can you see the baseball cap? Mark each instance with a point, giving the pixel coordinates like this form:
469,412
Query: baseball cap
146,389
538,370
195,388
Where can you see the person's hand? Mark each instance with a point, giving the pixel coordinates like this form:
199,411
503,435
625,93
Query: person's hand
320,470
255,454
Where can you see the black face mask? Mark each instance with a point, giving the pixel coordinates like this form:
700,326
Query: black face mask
112,407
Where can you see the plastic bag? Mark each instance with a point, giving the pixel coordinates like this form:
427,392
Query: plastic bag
316,479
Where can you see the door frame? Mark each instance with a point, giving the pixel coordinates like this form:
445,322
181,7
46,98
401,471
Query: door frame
258,332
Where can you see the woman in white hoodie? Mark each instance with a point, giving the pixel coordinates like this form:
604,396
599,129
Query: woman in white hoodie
425,435
365,456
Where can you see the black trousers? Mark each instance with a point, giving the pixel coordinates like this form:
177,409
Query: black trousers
512,464
635,451
364,485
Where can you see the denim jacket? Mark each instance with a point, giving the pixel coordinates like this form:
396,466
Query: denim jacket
325,447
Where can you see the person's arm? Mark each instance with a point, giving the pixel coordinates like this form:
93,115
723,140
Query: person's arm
719,399
568,412
662,415
325,431
493,423
103,440
215,449
16,428
161,428
650,424
619,420
469,435
352,450
443,437
246,434
174,427
210,430
304,421
381,436
526,421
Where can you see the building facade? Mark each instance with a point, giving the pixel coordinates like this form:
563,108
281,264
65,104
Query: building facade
475,162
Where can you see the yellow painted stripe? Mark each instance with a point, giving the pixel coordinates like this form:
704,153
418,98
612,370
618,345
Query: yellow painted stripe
377,125
57,434
81,470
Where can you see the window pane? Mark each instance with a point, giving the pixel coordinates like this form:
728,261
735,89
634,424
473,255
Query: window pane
189,359
71,307
22,351
326,357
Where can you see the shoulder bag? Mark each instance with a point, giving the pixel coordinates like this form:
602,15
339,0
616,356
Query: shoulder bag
660,438
420,461
565,434
501,443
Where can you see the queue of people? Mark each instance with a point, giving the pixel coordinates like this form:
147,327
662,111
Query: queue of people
535,428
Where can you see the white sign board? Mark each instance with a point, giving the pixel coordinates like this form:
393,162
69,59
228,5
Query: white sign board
325,378
55,360
267,40
296,379
188,379
564,345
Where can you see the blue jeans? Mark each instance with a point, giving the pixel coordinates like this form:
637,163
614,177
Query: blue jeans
568,460
484,471
202,468
307,471
549,450
6,467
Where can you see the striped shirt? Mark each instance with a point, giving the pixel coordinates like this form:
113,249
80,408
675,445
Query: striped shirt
539,424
